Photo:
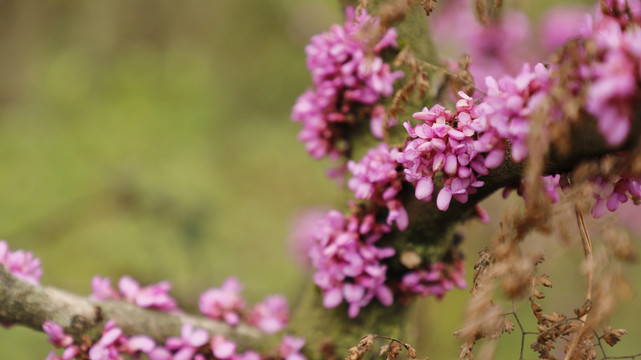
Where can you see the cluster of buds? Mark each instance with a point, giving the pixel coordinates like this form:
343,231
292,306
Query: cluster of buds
349,77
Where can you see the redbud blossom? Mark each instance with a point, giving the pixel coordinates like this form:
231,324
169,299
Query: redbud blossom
347,73
20,263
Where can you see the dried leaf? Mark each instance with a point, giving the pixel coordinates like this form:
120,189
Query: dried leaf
366,342
353,354
466,351
428,6
538,294
480,8
543,280
411,352
383,350
612,336
393,11
463,80
393,350
357,352
584,310
486,10
508,326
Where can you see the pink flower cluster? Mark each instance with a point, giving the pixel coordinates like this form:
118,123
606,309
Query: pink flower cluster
347,73
196,344
376,178
504,114
614,77
110,346
290,347
440,146
270,315
347,261
609,193
436,280
22,264
225,303
460,148
152,297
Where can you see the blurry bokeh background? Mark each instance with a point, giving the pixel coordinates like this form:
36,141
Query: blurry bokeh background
153,139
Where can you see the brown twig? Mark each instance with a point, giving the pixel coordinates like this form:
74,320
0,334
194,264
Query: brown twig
587,250
449,73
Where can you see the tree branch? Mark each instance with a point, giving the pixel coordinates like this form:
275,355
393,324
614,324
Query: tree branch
29,305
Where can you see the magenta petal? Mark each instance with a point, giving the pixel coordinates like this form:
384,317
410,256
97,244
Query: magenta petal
353,292
332,298
519,151
110,337
186,353
599,208
128,287
384,295
198,338
613,202
353,310
424,188
141,343
450,164
159,354
222,347
231,318
494,159
443,199
70,353
270,325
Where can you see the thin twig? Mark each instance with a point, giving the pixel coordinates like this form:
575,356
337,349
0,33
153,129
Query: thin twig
587,251
449,73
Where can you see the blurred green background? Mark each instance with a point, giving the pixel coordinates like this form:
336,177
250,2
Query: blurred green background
153,139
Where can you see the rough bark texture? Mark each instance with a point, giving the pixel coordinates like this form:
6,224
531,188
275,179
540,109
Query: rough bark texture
29,305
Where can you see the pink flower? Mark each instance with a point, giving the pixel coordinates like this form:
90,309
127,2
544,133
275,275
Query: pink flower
438,147
57,336
247,355
222,348
348,263
551,187
271,315
376,178
290,347
102,289
347,73
436,279
139,343
21,264
154,296
613,77
609,193
224,303
300,235
185,346
107,347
